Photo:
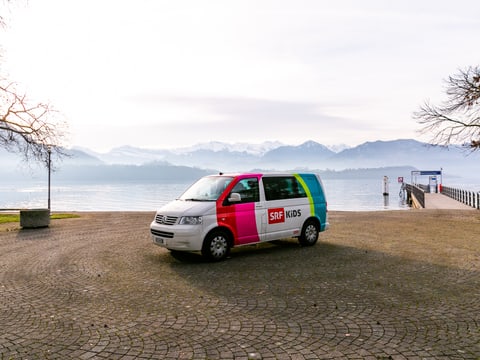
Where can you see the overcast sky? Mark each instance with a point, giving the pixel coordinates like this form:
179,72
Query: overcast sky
165,74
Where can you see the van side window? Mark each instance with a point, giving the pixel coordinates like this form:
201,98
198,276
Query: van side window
248,190
282,187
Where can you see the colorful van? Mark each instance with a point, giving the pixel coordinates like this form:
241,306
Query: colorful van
222,211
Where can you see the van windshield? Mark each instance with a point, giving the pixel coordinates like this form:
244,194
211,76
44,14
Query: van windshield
206,189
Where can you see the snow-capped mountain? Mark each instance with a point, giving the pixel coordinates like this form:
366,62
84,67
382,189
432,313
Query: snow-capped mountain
310,154
137,156
129,162
254,149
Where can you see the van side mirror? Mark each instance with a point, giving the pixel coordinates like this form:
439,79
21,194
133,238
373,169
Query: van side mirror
235,197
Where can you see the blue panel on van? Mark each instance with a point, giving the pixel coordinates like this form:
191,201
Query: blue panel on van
317,197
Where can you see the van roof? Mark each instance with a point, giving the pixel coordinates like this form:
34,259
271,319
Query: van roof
276,173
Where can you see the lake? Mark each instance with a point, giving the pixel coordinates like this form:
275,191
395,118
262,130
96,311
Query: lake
352,195
365,194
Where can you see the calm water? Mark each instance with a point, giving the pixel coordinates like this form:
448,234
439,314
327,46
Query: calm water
350,195
342,194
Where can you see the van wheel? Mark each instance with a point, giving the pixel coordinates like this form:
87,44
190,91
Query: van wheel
216,246
309,234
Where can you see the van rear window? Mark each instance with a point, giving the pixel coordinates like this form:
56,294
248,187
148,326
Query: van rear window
282,187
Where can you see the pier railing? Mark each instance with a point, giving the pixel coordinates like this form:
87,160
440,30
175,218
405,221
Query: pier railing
470,198
417,191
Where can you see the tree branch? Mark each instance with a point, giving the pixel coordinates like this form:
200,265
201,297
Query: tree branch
30,129
457,119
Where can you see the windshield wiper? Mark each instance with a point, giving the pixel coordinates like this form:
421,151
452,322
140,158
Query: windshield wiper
193,199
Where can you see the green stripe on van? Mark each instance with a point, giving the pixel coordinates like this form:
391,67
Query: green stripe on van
307,190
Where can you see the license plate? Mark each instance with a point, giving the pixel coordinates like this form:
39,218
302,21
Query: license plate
159,240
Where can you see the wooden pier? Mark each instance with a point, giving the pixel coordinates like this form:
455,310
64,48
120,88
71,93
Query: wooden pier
440,201
418,197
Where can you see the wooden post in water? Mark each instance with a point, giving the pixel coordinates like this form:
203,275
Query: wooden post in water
385,186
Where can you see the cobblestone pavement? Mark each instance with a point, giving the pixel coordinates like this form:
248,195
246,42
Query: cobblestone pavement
97,288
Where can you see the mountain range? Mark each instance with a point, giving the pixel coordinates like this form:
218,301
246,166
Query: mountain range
309,155
128,163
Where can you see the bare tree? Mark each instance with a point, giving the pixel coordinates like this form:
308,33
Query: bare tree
28,128
457,119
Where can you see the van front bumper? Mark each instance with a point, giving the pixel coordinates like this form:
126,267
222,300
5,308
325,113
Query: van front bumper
177,237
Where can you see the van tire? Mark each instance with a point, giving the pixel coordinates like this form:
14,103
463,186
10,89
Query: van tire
216,246
309,235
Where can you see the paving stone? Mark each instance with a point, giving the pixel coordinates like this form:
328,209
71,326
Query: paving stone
97,288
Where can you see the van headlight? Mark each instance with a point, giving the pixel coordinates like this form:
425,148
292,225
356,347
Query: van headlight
190,220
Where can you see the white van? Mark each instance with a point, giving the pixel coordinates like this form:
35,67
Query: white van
221,211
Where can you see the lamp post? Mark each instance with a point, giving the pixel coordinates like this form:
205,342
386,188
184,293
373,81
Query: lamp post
49,150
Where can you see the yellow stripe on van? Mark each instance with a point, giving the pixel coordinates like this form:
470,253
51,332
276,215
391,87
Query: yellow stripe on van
307,190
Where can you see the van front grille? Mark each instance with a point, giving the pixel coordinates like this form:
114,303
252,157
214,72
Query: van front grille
165,220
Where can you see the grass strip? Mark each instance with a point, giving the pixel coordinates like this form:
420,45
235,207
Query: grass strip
9,218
